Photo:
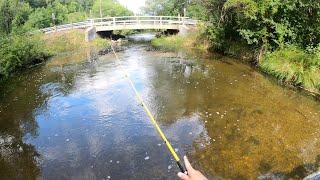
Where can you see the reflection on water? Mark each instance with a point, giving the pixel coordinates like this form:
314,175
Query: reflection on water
77,118
142,37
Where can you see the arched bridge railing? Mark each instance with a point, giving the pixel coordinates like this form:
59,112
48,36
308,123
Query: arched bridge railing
126,22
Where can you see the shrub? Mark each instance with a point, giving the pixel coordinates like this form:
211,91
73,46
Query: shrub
18,52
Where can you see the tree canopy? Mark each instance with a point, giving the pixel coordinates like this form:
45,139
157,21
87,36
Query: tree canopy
17,15
194,8
18,50
109,8
272,22
280,36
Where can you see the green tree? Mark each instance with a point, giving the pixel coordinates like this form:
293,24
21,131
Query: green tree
13,14
110,8
40,18
7,14
164,7
158,7
271,22
194,8
21,16
37,3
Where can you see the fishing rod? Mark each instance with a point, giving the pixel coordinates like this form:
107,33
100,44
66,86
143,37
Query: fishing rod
153,120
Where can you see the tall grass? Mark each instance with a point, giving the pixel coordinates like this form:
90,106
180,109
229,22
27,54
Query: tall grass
179,42
295,66
74,40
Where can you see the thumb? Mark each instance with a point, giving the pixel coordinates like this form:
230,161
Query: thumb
183,176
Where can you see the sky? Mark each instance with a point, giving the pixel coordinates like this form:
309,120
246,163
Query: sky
133,5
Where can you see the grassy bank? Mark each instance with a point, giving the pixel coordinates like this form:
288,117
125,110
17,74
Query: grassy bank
290,64
173,43
20,52
62,42
293,66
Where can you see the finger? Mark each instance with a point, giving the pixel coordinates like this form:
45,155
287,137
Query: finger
183,176
187,164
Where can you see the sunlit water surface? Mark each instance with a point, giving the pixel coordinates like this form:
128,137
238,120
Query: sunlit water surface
76,117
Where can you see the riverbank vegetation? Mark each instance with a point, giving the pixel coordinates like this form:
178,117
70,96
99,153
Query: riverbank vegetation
20,44
293,65
19,52
191,41
281,37
62,42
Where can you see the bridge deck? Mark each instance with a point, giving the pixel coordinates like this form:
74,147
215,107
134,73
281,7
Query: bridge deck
127,22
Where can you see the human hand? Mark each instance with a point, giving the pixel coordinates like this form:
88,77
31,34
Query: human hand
191,173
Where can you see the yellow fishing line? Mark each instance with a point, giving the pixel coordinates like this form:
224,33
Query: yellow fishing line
145,107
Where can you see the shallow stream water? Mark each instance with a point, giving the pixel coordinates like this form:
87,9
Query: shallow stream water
76,117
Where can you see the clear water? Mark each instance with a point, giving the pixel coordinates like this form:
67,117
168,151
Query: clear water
76,117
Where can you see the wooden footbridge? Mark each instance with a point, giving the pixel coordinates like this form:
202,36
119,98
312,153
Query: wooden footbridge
127,22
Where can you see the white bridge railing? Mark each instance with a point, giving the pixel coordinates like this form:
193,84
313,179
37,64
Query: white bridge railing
111,23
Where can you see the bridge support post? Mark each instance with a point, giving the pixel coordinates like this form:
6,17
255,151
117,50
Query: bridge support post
183,30
90,34
91,22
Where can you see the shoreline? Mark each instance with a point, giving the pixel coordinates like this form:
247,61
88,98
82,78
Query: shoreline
246,57
56,44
